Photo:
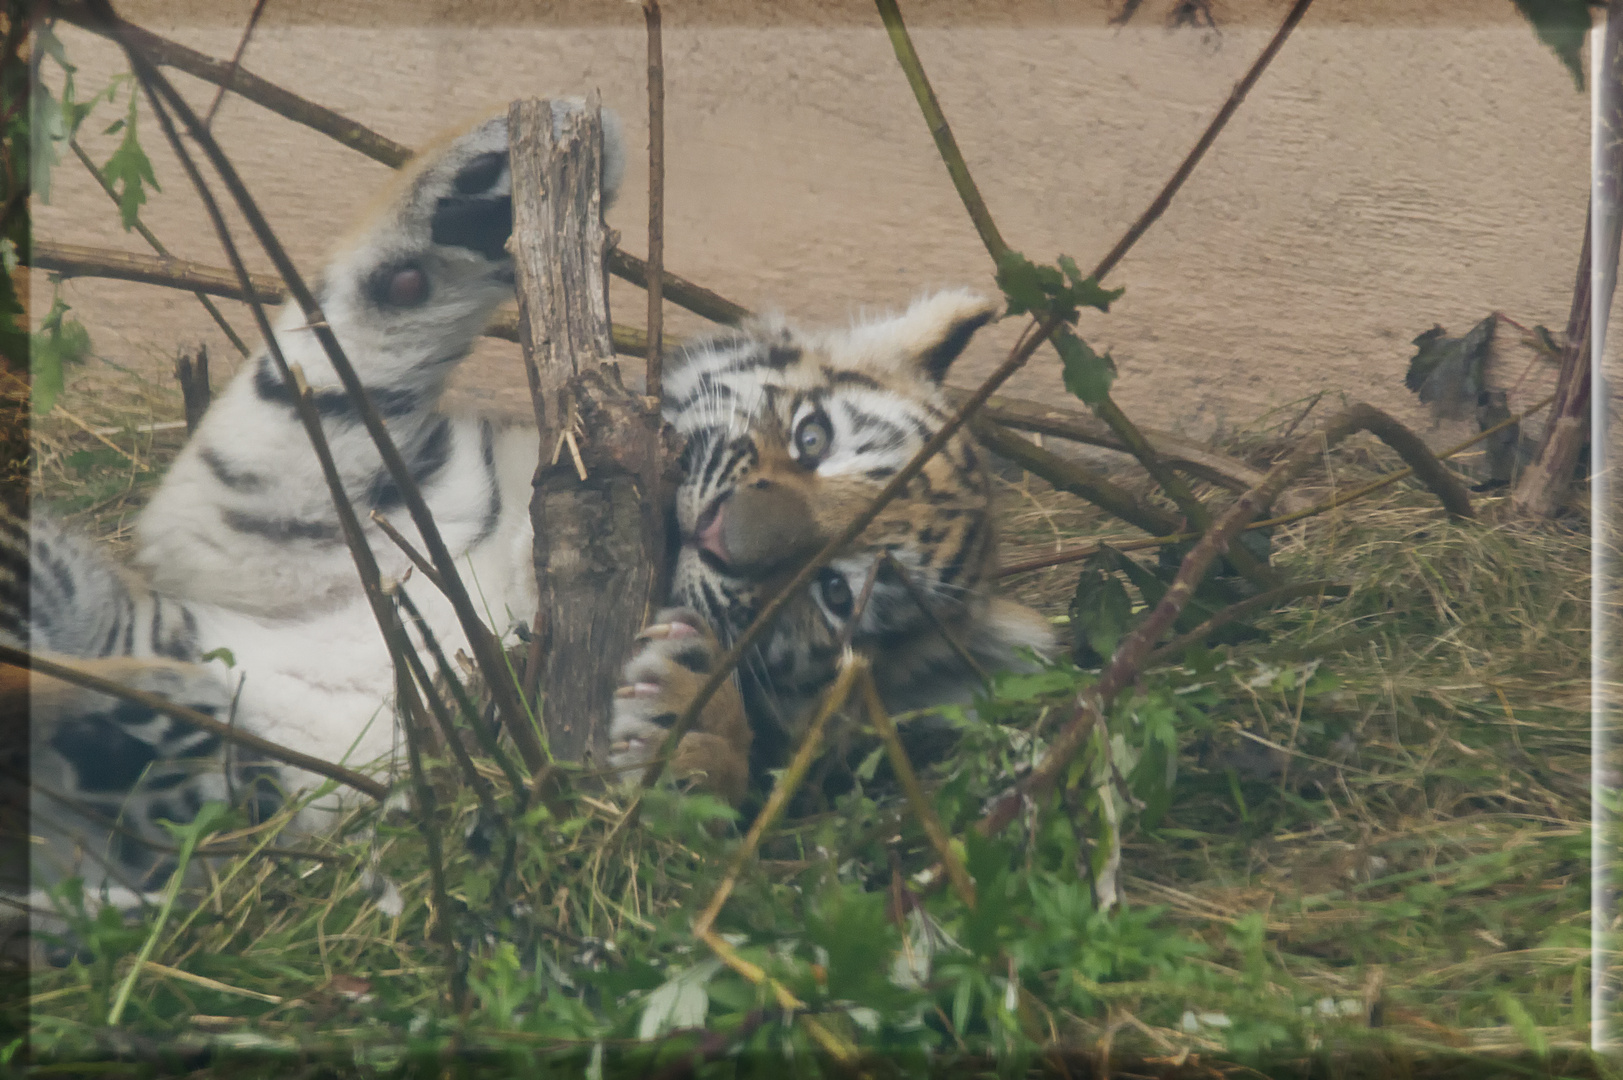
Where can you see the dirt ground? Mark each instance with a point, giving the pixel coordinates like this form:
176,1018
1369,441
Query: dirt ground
1398,166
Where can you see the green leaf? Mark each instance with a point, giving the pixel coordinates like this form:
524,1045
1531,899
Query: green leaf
128,171
60,341
1020,280
1523,1022
1101,612
1562,25
1087,374
853,928
681,1002
222,653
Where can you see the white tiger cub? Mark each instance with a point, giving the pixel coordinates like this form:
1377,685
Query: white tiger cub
240,547
788,435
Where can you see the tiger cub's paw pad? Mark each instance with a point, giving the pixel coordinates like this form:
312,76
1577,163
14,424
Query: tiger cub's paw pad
675,653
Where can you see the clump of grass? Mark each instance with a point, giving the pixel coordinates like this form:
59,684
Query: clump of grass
1379,817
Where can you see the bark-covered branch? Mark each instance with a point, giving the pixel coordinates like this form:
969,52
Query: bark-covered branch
77,260
601,480
1074,478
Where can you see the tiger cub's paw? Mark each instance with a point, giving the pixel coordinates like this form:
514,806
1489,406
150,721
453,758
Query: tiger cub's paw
674,654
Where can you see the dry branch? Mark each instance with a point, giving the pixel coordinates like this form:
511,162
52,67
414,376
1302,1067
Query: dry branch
76,260
166,53
1075,554
19,659
599,530
1077,426
654,382
678,290
1074,478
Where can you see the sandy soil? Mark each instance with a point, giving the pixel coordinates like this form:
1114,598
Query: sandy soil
1398,166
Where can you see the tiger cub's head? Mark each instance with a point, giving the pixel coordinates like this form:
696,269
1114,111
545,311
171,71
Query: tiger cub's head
789,436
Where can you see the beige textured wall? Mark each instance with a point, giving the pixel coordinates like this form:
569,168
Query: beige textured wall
1398,165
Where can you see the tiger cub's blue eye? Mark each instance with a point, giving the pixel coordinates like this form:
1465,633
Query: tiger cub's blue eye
812,439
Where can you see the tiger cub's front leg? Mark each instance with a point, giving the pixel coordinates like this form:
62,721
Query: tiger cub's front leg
674,655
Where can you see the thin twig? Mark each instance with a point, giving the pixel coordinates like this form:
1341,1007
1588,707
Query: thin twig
1261,602
92,432
482,788
91,16
429,573
656,201
1058,558
851,667
1158,206
929,820
488,741
427,817
19,659
236,62
1073,478
968,193
811,743
152,241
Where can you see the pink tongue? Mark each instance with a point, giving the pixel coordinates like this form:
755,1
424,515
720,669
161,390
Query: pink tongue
709,539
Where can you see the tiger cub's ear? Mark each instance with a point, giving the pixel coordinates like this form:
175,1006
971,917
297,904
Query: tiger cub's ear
928,336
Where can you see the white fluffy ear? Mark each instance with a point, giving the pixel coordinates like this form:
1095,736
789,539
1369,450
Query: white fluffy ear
927,337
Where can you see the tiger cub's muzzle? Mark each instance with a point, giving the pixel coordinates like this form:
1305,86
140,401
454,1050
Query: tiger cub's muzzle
757,530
